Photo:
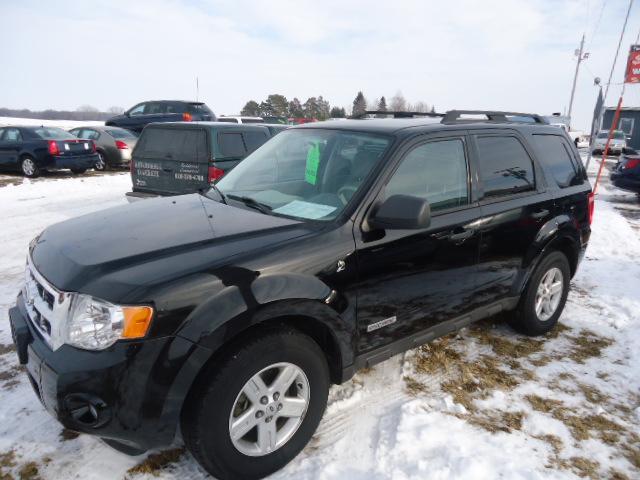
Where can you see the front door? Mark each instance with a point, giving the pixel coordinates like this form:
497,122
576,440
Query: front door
411,280
10,143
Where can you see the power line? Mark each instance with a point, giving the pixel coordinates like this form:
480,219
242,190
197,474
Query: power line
615,59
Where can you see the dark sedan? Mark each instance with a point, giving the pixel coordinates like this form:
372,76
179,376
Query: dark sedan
142,114
31,150
626,174
113,145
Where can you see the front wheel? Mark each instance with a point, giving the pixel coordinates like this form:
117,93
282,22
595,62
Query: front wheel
544,297
101,163
255,411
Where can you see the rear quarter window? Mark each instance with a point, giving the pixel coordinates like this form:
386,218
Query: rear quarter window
253,140
553,152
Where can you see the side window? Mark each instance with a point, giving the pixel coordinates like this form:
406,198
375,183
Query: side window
553,152
155,108
12,135
436,171
138,110
88,134
231,145
505,167
254,140
1,134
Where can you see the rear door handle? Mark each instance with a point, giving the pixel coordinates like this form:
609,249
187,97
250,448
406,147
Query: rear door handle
461,236
540,214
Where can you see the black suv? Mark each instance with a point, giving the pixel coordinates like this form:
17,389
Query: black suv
179,158
331,248
142,114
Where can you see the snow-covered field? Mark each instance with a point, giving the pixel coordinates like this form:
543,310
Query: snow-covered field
485,403
66,124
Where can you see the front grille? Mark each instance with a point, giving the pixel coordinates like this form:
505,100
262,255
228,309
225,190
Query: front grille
47,307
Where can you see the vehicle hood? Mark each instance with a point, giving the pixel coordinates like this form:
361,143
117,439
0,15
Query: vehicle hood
150,241
116,118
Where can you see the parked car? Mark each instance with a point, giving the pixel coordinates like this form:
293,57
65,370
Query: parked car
142,114
240,119
179,158
626,174
618,142
334,246
113,145
31,150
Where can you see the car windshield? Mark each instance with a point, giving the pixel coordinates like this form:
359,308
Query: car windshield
305,173
53,133
120,133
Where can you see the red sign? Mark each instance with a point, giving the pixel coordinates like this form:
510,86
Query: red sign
633,65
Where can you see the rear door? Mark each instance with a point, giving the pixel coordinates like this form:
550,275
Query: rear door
171,160
515,203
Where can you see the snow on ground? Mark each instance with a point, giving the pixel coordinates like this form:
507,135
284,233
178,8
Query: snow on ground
483,403
66,124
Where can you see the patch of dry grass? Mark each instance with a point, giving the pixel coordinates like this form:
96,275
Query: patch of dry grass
156,462
553,440
413,386
7,462
542,404
583,467
496,421
29,471
587,345
436,356
6,348
67,434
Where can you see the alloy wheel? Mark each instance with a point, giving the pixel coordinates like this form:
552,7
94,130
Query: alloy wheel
28,167
269,409
549,294
100,164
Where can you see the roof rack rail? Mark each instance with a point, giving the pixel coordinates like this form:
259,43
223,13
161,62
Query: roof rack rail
453,116
399,114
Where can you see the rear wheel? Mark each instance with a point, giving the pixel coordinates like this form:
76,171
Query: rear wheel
257,409
101,163
545,296
28,167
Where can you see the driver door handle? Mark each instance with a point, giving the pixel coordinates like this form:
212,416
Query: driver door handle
540,214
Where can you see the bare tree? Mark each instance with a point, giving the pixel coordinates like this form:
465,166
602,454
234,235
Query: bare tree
115,110
398,103
87,108
421,107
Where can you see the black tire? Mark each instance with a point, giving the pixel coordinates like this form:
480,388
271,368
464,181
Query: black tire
206,418
101,165
526,319
28,167
78,171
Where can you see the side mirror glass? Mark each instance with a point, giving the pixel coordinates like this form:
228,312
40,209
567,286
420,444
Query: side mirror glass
401,212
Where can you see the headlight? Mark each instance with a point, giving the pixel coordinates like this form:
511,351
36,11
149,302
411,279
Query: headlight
95,324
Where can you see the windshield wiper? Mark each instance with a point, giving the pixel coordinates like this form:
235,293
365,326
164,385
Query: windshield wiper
252,202
223,197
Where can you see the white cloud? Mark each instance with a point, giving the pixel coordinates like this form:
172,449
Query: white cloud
509,54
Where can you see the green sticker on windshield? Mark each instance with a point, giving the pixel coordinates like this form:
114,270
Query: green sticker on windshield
313,161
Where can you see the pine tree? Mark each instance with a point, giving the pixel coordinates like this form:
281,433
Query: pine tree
311,109
280,105
382,107
295,108
251,109
338,112
324,109
359,105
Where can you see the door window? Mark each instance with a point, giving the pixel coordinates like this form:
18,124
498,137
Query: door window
254,140
155,108
626,125
12,135
231,145
435,171
505,166
138,110
552,151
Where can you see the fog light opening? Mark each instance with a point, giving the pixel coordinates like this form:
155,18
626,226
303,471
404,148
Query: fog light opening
86,410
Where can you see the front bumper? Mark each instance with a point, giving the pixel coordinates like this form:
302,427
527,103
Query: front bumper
77,162
131,392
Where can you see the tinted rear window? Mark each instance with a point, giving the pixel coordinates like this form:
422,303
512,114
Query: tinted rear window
198,108
254,140
231,145
505,166
552,151
52,133
228,120
173,144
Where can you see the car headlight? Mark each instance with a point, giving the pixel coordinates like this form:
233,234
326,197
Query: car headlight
95,324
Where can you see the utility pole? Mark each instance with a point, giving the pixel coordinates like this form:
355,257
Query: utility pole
581,56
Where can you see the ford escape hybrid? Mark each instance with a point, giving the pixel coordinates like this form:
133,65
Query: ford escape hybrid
330,248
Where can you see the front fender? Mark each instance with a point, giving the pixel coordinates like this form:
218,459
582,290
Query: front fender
256,299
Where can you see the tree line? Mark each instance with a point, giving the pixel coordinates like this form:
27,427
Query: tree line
82,113
318,108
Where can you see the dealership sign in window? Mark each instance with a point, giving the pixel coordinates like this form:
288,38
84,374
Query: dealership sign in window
633,65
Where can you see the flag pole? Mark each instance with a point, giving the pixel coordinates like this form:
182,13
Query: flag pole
612,130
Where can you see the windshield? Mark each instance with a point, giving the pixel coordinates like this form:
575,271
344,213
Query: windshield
305,173
53,133
618,135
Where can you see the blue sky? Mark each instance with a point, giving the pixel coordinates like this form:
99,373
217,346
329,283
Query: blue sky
492,54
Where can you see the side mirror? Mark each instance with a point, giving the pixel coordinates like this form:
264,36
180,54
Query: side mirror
401,212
